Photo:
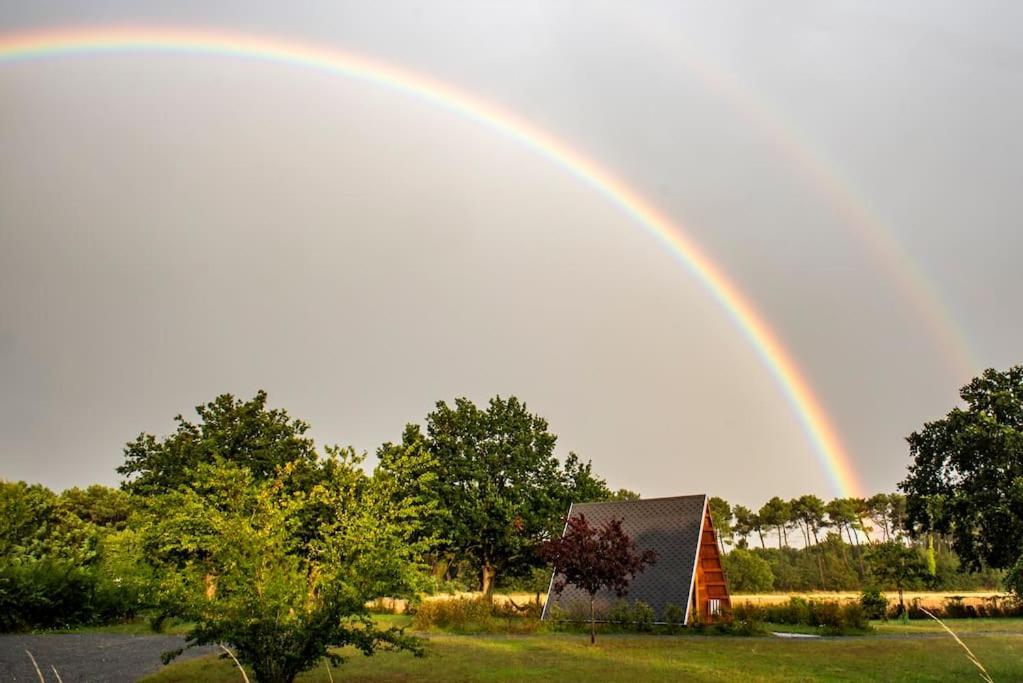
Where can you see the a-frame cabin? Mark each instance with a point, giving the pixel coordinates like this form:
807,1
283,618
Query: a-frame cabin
710,588
688,571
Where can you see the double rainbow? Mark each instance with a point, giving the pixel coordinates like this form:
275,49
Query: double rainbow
812,417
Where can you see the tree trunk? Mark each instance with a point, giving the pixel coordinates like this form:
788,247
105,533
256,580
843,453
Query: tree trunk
866,534
593,624
763,545
487,575
210,580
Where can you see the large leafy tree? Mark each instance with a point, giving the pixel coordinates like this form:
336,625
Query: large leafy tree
594,559
279,573
245,433
966,478
499,478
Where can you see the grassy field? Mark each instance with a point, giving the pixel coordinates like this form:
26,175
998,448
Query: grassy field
915,652
927,599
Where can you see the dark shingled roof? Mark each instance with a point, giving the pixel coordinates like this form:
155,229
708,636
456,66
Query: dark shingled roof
668,526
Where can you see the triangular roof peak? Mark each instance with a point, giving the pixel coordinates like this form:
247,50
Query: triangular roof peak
675,528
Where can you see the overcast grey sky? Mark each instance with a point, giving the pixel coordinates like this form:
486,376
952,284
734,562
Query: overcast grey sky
176,226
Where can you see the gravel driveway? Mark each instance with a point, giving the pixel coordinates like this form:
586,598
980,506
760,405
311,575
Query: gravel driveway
99,657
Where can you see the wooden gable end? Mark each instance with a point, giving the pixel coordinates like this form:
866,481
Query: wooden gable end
710,592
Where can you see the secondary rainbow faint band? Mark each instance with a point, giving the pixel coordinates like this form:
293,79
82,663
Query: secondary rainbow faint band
814,421
827,181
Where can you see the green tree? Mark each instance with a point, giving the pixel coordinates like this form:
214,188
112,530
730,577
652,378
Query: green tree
594,558
721,516
777,513
878,508
235,557
745,524
747,573
498,475
842,516
893,565
809,512
34,525
47,561
99,505
966,478
245,433
408,471
581,485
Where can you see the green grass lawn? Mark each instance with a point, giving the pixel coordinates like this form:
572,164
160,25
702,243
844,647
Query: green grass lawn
917,652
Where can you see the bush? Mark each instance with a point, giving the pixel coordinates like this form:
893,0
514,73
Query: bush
620,612
458,613
673,616
747,620
795,611
642,616
830,617
874,604
476,615
47,594
854,617
826,615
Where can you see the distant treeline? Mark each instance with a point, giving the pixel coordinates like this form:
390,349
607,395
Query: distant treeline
467,495
806,544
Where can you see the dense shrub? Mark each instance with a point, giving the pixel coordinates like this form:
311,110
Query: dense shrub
746,620
874,604
636,615
673,615
954,607
829,617
476,615
43,593
59,567
854,617
795,611
51,593
642,616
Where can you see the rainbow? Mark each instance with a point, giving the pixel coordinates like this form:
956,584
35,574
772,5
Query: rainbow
828,182
794,386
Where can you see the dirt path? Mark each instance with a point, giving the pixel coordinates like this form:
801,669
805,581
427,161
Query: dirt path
99,657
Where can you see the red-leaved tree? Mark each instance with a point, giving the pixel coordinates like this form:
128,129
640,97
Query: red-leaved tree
594,559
